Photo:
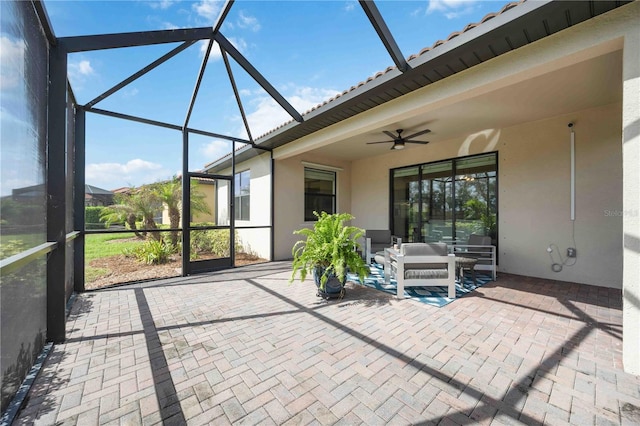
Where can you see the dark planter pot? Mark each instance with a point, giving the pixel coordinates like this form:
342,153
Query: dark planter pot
333,288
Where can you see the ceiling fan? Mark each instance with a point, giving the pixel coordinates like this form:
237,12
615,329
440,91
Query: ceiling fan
399,141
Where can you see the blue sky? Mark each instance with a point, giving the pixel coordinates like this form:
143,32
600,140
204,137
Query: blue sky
308,50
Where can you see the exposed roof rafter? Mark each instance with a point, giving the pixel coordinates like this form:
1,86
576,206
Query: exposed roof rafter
170,126
246,65
223,14
372,12
142,38
140,73
237,95
203,67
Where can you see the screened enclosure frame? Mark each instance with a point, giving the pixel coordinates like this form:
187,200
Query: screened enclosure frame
66,139
62,246
188,37
520,28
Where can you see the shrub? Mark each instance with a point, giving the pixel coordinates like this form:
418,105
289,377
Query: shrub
214,241
92,217
151,252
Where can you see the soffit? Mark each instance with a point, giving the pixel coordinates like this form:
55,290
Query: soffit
516,27
580,86
511,29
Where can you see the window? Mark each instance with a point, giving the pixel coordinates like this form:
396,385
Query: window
319,192
241,195
446,200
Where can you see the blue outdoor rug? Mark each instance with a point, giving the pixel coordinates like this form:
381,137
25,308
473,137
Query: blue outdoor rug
434,296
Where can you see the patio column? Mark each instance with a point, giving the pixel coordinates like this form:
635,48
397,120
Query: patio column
78,199
631,202
56,193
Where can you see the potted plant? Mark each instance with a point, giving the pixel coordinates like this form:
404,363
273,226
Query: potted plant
330,250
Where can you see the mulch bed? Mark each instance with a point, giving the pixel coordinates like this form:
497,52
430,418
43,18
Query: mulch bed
126,269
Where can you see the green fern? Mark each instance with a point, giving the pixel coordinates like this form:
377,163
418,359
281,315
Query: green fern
330,245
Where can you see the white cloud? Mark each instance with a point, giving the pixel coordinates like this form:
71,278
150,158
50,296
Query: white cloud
162,4
264,114
268,114
209,9
350,5
79,72
250,22
129,93
134,172
84,67
169,26
451,8
215,149
239,43
215,54
12,60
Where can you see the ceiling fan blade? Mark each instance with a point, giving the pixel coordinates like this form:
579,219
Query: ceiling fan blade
369,143
419,142
417,134
391,135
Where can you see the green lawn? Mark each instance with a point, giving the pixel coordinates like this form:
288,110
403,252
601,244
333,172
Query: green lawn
14,244
97,246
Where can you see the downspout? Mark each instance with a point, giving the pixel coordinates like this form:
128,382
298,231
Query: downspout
273,214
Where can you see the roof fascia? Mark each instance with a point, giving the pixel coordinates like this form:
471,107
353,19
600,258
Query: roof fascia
494,24
420,61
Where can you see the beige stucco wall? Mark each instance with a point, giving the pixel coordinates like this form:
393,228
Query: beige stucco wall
631,193
258,240
600,232
289,195
534,192
209,199
534,166
208,191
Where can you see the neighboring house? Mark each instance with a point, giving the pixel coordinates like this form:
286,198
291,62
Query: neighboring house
540,100
121,190
94,196
207,189
29,193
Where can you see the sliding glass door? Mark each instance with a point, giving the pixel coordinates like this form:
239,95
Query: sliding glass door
437,195
446,200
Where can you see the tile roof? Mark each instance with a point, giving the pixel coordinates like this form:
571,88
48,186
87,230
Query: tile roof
379,74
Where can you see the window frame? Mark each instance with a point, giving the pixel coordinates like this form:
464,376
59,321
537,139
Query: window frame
238,197
453,174
308,216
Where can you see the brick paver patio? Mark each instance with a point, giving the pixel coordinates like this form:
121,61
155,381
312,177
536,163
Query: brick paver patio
246,347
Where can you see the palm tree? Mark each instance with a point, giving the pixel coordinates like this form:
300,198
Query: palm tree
170,193
122,211
146,203
138,204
